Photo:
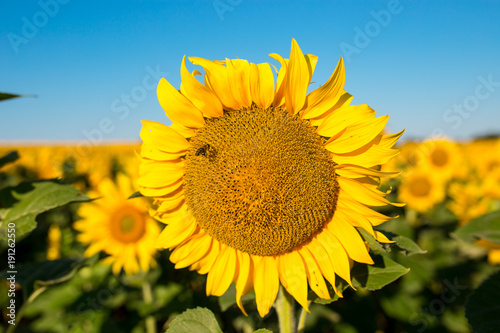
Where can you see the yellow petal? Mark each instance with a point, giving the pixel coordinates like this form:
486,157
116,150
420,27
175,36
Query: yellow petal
354,217
222,273
349,238
343,117
382,238
151,152
279,96
217,79
177,107
199,250
343,103
184,131
325,97
171,205
293,276
357,135
262,84
317,250
159,174
297,80
311,60
177,232
337,254
202,97
266,283
356,171
314,276
185,248
368,156
238,75
205,264
158,192
389,140
367,196
244,279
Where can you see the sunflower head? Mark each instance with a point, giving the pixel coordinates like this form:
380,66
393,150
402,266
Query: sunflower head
468,200
119,227
261,183
421,189
444,159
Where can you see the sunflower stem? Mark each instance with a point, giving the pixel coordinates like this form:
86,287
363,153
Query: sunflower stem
147,296
411,217
285,307
302,319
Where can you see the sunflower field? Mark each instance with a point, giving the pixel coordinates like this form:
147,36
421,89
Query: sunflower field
263,207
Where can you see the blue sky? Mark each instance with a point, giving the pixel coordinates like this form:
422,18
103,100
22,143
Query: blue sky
433,66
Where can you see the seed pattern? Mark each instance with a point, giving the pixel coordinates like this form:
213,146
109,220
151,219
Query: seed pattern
265,183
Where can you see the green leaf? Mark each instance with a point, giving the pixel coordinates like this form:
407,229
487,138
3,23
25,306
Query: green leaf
8,158
33,275
407,246
229,298
402,243
263,330
6,96
485,227
135,195
371,277
25,201
199,320
378,275
481,309
375,246
341,286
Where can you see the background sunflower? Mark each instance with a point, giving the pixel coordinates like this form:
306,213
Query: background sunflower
119,227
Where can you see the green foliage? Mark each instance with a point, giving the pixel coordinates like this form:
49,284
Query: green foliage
481,309
200,320
34,275
6,96
229,298
22,203
485,227
135,195
407,246
370,277
418,283
401,243
378,275
9,158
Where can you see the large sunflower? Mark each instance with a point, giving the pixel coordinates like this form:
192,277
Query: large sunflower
121,228
262,183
